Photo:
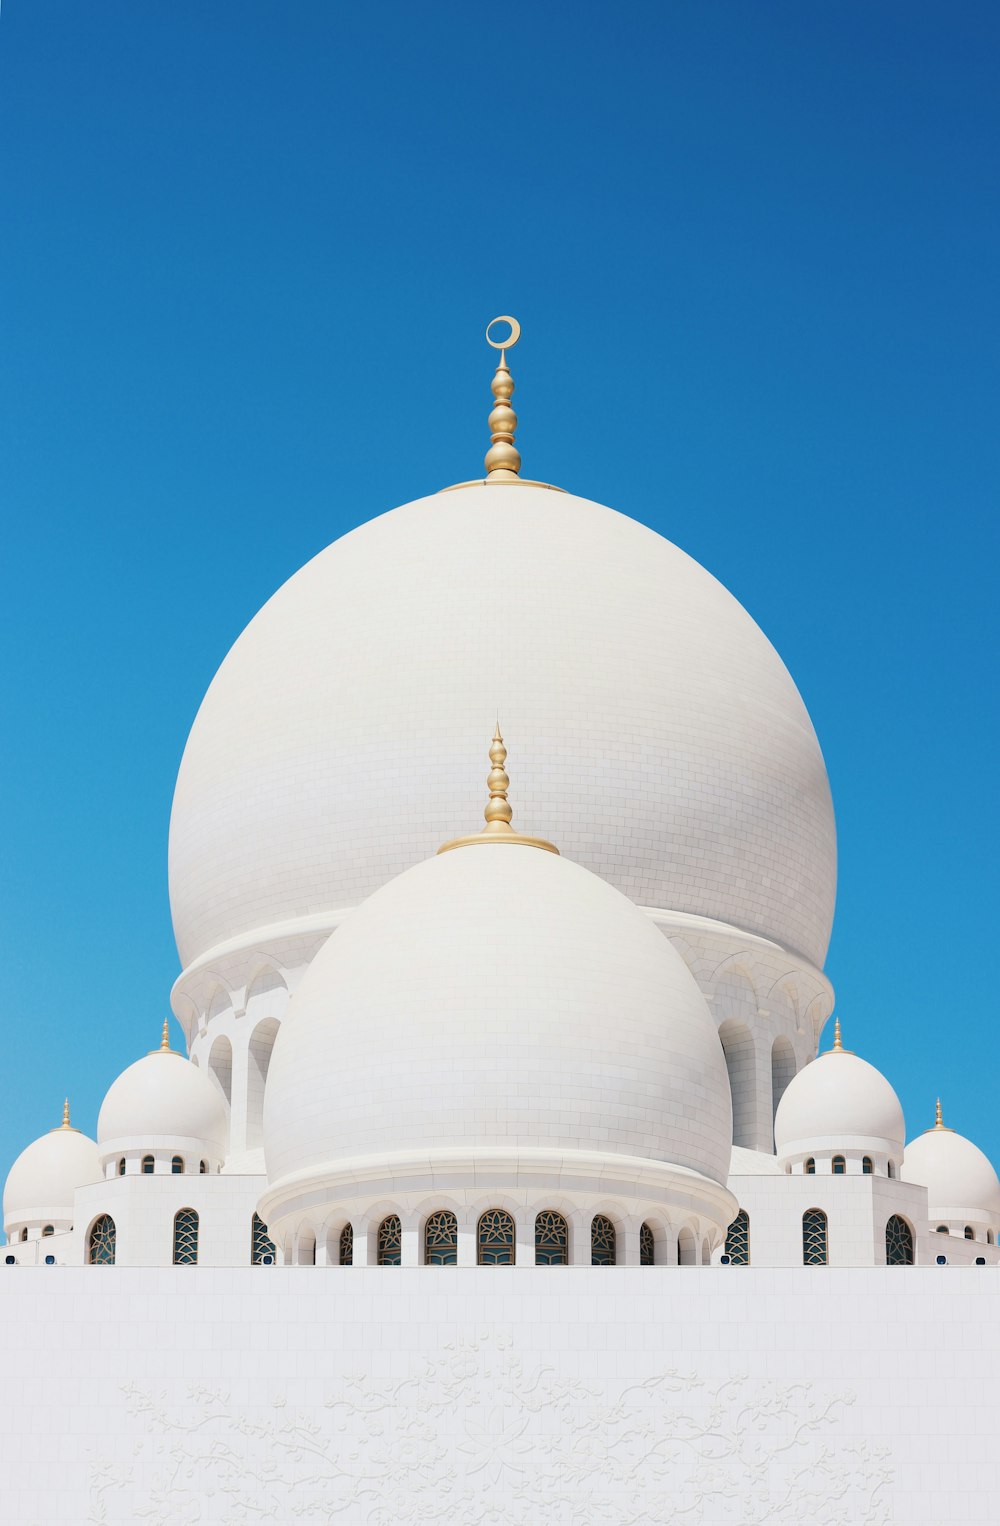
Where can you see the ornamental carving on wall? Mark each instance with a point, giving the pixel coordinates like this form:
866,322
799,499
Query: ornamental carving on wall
476,1436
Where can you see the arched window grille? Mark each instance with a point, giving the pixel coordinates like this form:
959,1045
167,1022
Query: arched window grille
147,1165
942,1229
839,1166
810,1167
390,1241
647,1246
101,1244
203,1168
261,1244
738,1240
121,1166
441,1239
867,1166
898,1242
347,1245
970,1233
551,1239
185,1237
603,1241
815,1251
49,1229
495,1238
177,1166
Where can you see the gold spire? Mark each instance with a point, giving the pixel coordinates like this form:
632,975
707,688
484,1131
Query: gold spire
164,1040
838,1047
498,812
66,1127
940,1127
503,459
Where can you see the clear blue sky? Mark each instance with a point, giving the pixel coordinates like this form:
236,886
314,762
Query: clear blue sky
246,257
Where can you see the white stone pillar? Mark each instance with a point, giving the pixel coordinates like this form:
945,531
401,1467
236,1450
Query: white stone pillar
409,1244
524,1239
467,1249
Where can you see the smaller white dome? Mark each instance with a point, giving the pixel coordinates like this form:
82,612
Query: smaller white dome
961,1183
43,1180
162,1101
839,1101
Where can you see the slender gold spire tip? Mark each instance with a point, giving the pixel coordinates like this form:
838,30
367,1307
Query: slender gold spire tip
838,1047
498,812
938,1119
66,1123
503,459
165,1036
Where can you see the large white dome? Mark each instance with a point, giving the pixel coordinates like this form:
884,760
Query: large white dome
496,998
654,730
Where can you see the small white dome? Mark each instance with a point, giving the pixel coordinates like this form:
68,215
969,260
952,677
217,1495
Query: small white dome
162,1100
839,1101
497,998
43,1180
961,1183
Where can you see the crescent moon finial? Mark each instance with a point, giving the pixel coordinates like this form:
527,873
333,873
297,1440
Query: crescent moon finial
503,459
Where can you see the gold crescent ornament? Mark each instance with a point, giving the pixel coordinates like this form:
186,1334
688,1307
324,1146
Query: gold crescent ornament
515,333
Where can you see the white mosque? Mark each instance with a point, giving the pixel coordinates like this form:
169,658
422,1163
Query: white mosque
584,1036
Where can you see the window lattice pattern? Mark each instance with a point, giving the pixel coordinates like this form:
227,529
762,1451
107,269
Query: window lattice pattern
738,1240
390,1241
551,1239
647,1246
602,1242
496,1238
441,1239
347,1245
898,1242
185,1237
102,1241
261,1244
839,1166
814,1246
147,1165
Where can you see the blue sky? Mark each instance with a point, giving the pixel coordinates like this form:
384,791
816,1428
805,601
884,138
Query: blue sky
247,255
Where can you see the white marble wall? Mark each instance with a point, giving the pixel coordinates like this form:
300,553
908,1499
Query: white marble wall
577,1396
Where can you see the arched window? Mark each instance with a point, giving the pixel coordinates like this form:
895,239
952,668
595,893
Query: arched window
147,1165
891,1169
867,1166
603,1241
261,1244
177,1166
989,1237
815,1251
942,1229
898,1242
551,1239
24,1234
687,1249
101,1242
647,1246
738,1240
121,1166
347,1245
390,1241
49,1229
839,1166
441,1239
495,1238
203,1168
810,1167
970,1233
185,1237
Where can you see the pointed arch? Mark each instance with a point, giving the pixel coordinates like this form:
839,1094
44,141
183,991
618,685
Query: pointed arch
185,1237
741,1063
220,1068
259,1052
102,1241
782,1070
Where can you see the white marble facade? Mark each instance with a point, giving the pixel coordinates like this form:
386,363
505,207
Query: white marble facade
762,1305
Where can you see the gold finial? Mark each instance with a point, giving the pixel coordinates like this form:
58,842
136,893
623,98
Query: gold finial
838,1047
498,812
503,459
66,1127
164,1040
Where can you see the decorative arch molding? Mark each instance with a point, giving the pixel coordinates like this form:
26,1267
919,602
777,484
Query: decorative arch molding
260,1047
738,1046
